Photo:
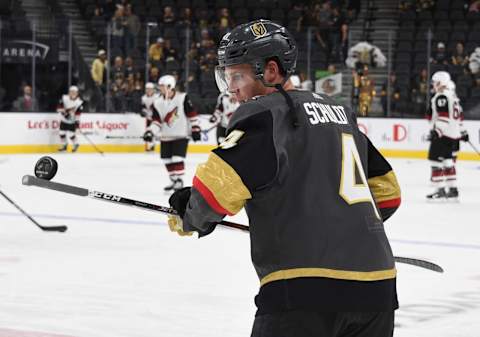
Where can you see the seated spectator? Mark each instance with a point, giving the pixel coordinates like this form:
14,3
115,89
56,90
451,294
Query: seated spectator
129,67
420,87
474,6
118,95
474,64
394,95
26,102
168,17
405,6
206,42
98,13
459,56
156,51
440,54
118,69
186,18
154,75
208,62
224,22
424,5
169,50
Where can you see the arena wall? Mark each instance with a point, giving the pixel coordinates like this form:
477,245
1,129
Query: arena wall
38,133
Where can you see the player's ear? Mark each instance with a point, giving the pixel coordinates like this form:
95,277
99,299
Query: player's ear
272,72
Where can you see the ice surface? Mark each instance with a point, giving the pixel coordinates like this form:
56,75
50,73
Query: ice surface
120,272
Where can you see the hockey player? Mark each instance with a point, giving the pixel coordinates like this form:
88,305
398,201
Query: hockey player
446,117
174,118
315,190
70,108
226,106
463,133
147,112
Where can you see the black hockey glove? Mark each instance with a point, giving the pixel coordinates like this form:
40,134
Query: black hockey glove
148,136
196,135
464,136
179,200
213,119
433,135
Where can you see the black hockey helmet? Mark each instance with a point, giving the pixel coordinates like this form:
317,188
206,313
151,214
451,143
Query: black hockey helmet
254,43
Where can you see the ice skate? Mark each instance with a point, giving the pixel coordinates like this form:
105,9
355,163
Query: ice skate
439,194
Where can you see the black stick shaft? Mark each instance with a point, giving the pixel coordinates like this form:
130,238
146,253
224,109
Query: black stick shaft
83,192
45,228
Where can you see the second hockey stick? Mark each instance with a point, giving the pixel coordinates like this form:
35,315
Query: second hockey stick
474,148
43,228
83,192
92,143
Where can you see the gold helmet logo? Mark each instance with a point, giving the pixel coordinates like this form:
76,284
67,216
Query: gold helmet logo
258,29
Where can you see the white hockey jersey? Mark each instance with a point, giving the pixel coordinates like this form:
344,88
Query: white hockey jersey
447,116
225,108
70,110
175,116
147,105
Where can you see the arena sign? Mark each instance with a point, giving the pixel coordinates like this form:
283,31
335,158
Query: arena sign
22,51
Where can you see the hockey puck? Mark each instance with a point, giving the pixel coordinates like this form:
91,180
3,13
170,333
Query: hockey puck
46,168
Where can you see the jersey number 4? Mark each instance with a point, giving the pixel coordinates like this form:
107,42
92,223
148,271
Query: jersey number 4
353,182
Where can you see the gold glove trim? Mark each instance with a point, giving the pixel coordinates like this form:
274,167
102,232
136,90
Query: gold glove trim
385,187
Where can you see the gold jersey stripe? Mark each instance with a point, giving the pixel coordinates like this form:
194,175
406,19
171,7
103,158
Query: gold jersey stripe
384,187
330,273
224,183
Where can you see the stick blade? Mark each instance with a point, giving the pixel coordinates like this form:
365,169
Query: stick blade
60,229
419,263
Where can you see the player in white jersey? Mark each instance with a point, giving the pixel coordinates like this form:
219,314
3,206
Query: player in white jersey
147,112
174,118
226,106
446,122
70,108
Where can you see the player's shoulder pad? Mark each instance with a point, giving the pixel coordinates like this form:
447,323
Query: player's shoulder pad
249,109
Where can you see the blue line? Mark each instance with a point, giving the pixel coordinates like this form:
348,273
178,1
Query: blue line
77,218
438,244
151,222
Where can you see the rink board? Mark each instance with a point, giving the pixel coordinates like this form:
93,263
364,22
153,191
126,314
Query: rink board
38,133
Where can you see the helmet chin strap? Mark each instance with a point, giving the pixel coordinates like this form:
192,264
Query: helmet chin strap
281,90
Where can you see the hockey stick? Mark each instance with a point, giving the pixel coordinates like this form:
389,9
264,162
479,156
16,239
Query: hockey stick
83,192
43,228
90,141
123,137
474,148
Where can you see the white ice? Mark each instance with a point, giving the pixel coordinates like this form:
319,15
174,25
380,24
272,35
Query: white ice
119,271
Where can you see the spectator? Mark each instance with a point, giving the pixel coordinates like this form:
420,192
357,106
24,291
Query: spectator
118,30
474,64
118,95
129,67
154,75
440,55
206,42
344,42
394,95
419,92
424,5
336,34
170,51
98,12
324,22
133,26
109,9
209,61
156,51
168,16
474,6
98,68
186,18
459,56
118,69
225,22
26,102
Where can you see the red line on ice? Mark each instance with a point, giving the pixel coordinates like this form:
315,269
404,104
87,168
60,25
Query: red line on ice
18,333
